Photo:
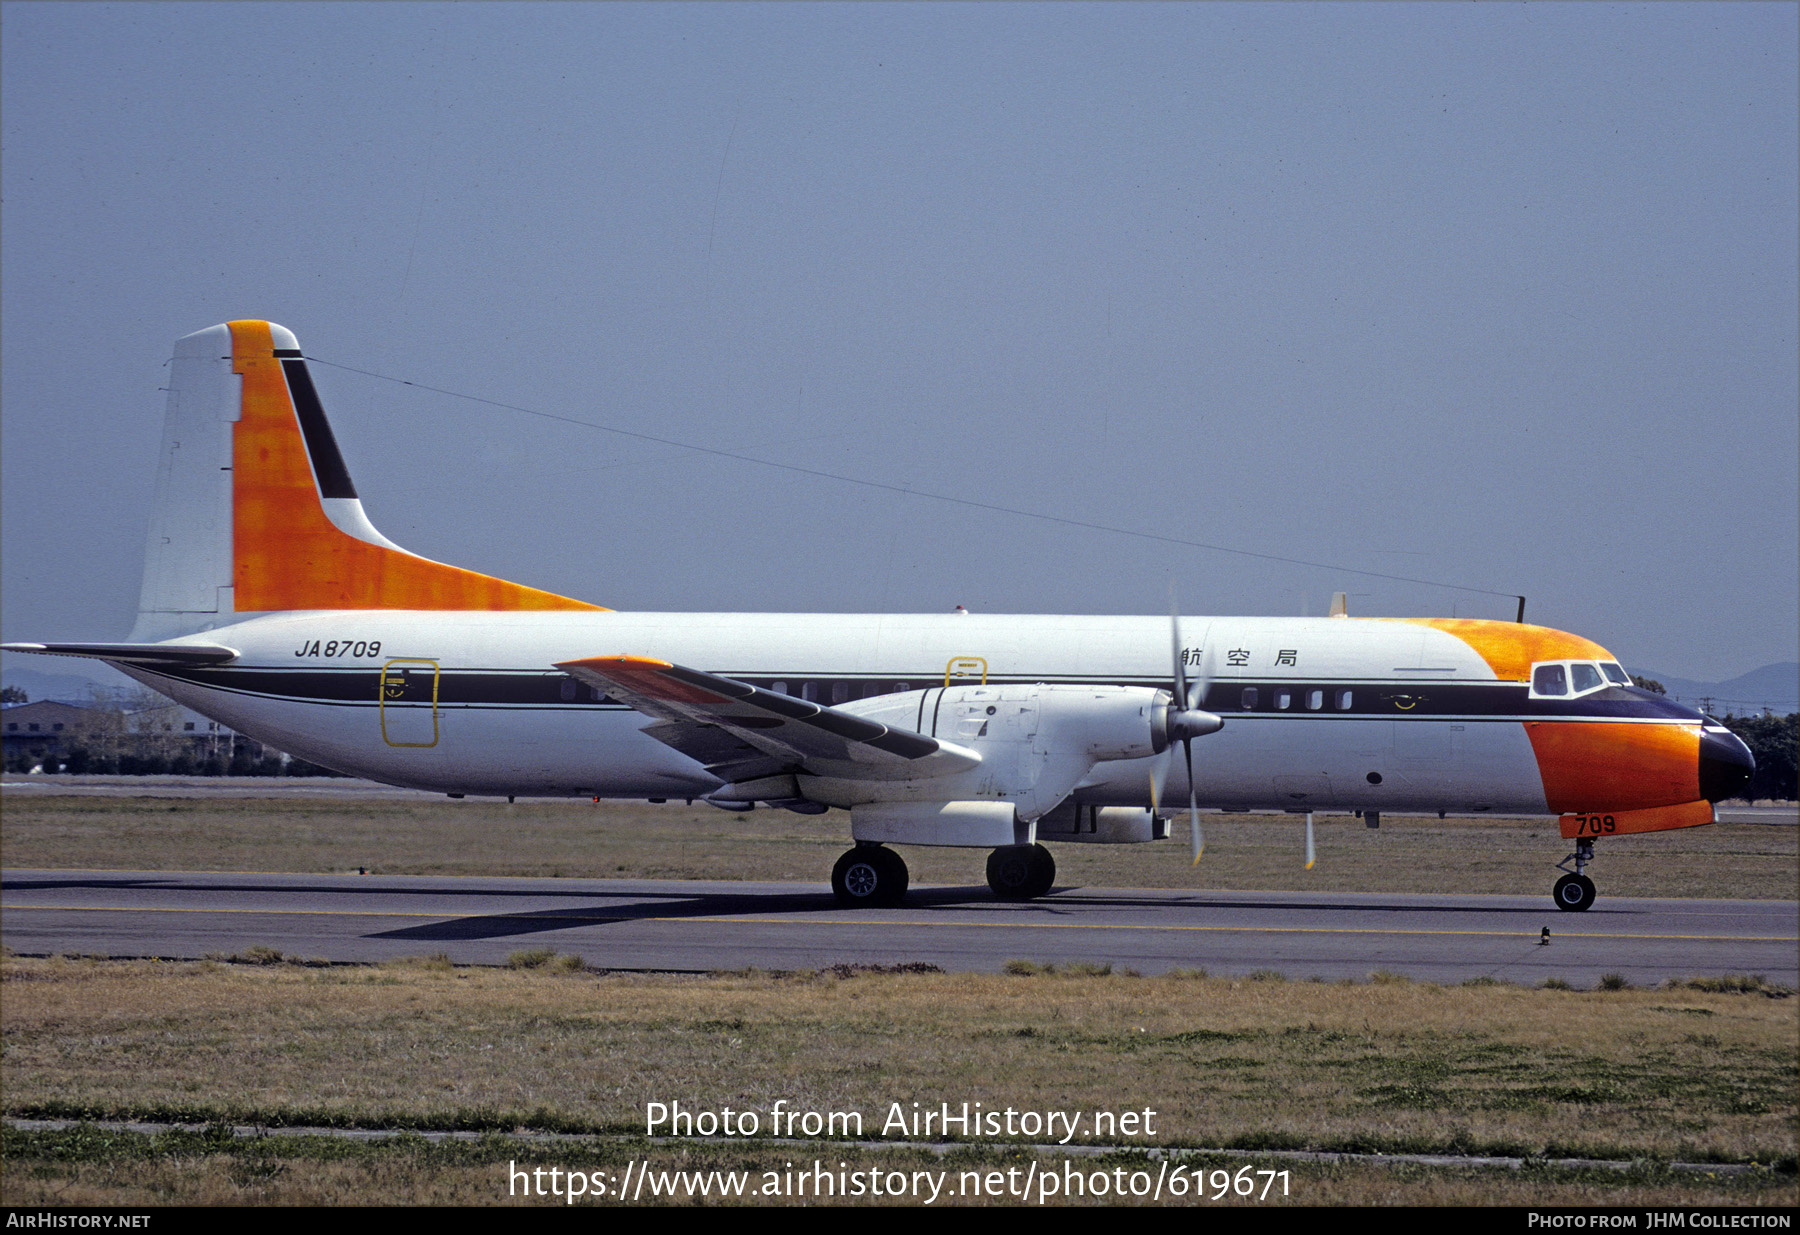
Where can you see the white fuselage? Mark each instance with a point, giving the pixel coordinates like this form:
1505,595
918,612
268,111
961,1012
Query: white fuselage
471,703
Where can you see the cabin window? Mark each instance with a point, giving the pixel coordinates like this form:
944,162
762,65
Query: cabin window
1248,699
567,690
1284,699
1345,699
1315,699
809,691
779,688
840,692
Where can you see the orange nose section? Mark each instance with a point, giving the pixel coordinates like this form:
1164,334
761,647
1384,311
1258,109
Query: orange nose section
1601,766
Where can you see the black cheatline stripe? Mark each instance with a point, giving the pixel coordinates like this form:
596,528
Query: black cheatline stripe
327,462
524,688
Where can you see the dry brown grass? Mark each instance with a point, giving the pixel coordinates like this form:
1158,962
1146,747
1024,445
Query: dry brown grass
1663,1075
639,840
178,1171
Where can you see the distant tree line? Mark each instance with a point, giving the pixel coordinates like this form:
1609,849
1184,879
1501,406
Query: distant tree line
1775,741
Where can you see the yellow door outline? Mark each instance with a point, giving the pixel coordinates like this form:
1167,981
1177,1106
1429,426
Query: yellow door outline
392,687
965,666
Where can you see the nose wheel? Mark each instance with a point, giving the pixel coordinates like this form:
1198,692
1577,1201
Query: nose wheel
1020,872
869,875
1574,892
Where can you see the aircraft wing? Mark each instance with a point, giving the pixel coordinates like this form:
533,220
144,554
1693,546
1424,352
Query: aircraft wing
741,731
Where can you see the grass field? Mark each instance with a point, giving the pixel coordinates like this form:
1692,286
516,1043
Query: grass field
389,835
1650,1077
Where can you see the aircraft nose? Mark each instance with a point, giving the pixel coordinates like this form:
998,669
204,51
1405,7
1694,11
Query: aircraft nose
1726,765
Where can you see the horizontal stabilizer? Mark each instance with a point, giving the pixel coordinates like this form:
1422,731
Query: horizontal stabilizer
134,653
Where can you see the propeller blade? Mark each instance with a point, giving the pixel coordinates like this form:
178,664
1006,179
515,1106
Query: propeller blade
1175,657
1186,723
1195,838
1311,855
1159,776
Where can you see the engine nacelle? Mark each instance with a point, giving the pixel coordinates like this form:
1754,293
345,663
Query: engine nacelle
1104,722
1035,741
975,825
1075,823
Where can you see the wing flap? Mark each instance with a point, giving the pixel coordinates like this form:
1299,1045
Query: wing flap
796,735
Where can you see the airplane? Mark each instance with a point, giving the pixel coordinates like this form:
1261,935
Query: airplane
271,604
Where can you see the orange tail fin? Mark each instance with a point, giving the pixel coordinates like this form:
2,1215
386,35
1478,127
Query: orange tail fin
286,530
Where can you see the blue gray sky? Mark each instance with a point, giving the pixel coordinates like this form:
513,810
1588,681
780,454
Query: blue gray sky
1498,295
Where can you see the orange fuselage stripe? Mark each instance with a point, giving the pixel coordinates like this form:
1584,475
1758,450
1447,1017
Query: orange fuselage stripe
1510,648
1600,766
287,554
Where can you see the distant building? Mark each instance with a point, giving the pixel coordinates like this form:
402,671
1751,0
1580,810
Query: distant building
110,736
45,727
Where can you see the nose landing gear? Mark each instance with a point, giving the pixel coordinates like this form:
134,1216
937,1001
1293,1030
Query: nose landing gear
1574,892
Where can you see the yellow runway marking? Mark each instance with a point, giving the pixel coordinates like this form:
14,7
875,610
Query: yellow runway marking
1026,926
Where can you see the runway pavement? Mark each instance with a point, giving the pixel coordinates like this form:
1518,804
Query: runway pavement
670,925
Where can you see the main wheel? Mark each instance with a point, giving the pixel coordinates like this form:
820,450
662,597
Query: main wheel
1020,872
1573,893
869,875
1043,872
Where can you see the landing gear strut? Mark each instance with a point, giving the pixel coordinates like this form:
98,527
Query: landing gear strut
1574,892
869,875
1020,872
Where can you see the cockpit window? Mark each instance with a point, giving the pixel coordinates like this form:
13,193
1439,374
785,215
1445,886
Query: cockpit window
1615,673
1568,678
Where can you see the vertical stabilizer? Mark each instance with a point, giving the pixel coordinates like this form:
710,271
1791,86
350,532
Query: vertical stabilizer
187,562
255,509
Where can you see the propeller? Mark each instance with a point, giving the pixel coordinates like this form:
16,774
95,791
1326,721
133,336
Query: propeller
1311,855
1185,722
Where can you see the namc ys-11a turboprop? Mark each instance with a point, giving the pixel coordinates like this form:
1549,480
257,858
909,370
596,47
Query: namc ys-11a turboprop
271,604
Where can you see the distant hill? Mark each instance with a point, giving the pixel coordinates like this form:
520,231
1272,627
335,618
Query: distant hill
1776,687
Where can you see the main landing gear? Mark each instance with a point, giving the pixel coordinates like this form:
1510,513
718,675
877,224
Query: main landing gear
869,875
1574,892
1020,872
875,876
